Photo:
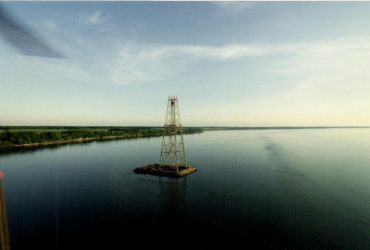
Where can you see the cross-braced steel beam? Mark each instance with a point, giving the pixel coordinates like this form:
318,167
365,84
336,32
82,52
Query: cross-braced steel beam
173,150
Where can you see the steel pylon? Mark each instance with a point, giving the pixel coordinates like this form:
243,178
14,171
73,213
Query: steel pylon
173,150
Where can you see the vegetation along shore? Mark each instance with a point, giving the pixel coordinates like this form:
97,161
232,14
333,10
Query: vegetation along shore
29,137
18,137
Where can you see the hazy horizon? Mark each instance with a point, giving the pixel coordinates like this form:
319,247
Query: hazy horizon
184,126
242,64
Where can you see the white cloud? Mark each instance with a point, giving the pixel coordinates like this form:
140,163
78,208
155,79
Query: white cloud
50,26
93,18
233,8
337,65
234,51
139,64
135,66
329,68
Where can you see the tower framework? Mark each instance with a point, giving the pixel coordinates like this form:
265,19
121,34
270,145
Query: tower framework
173,150
172,161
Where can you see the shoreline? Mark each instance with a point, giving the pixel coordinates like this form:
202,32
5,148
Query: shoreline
126,134
72,141
77,141
18,138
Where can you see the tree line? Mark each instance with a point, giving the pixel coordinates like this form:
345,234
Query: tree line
9,138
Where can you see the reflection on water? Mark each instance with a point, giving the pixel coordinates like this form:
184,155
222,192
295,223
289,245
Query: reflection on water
267,189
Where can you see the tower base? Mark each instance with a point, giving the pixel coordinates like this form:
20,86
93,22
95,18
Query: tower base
165,170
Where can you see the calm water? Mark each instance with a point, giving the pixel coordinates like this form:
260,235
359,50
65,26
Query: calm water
263,188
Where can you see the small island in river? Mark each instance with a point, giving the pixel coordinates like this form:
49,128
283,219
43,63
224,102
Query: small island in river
165,170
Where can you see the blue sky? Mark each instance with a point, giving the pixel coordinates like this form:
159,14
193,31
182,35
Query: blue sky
230,64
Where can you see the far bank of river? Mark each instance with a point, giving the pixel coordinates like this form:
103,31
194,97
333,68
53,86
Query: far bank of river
35,137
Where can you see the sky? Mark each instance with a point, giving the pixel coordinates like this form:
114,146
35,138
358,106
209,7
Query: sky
229,63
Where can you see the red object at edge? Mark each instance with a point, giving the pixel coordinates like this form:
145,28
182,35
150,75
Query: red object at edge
1,175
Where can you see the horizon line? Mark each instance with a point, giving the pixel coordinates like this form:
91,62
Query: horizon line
158,126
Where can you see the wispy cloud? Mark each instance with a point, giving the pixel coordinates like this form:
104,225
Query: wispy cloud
134,66
93,18
331,67
50,26
140,64
328,64
233,8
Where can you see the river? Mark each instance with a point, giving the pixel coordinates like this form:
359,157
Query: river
267,189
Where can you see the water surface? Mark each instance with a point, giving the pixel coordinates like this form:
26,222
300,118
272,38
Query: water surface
302,188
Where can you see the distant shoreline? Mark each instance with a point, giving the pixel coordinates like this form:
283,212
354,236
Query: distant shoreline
160,127
37,137
73,141
282,127
23,137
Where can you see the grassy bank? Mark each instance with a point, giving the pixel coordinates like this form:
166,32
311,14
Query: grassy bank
28,137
